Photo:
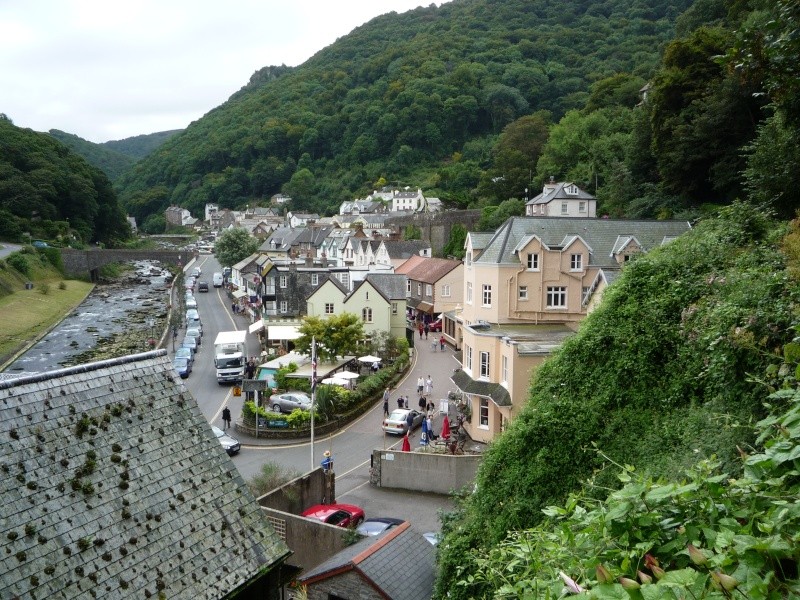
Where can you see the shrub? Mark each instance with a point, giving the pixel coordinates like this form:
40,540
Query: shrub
19,262
44,288
271,476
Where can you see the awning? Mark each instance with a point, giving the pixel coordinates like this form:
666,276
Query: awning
496,392
256,327
239,294
283,332
425,307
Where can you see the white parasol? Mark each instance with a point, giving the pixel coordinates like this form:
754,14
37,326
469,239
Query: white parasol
334,381
369,359
346,375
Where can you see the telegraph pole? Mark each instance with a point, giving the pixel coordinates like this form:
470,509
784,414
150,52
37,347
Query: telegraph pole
313,392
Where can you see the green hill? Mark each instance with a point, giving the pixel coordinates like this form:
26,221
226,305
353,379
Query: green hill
112,163
139,146
418,97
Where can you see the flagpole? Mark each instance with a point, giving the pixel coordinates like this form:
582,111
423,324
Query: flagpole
313,392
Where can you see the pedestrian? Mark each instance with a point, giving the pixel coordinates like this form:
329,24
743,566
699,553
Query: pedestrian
250,369
428,386
423,438
441,343
226,418
427,329
420,385
419,327
406,399
233,307
430,407
432,436
409,422
386,403
401,402
422,403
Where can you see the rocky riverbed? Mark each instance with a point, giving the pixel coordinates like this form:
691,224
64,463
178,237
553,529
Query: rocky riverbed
120,317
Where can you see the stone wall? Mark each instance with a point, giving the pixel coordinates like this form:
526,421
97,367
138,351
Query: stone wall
436,226
423,471
85,263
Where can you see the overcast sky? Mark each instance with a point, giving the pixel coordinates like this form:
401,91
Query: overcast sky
111,69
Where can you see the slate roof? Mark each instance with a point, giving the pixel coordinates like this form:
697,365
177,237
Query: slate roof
601,235
400,563
405,248
427,270
114,485
312,235
556,192
283,238
495,391
391,286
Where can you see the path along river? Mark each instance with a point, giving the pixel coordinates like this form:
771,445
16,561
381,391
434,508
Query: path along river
115,319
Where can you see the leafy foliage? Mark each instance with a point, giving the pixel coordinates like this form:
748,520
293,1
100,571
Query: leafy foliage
336,335
233,246
112,163
656,377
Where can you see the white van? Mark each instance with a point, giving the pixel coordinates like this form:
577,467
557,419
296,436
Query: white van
217,279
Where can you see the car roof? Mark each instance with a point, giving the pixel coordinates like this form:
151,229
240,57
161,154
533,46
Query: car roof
323,510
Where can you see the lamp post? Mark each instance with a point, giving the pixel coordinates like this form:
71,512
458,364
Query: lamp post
313,392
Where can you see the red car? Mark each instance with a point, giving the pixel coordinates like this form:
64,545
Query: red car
343,515
436,325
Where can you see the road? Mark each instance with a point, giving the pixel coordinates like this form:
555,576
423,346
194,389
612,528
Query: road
351,447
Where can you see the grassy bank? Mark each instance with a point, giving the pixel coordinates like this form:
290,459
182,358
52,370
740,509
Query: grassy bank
26,314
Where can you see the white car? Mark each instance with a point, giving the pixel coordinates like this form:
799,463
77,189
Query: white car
229,443
289,401
191,302
397,422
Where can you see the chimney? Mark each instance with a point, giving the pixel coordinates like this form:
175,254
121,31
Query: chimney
309,259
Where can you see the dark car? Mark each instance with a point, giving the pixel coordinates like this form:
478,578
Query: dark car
183,366
202,286
377,525
343,515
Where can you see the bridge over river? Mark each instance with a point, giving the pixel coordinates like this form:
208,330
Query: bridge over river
80,263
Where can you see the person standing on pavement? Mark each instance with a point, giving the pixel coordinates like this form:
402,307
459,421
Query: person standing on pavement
422,404
420,385
409,423
428,386
427,329
441,343
419,327
386,403
226,418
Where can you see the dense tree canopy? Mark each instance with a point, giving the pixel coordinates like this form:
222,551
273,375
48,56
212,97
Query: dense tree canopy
336,335
233,246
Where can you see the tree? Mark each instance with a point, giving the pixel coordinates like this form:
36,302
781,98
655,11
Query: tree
338,335
412,232
233,246
455,243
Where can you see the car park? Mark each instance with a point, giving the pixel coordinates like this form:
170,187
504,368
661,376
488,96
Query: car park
229,443
196,334
190,342
289,401
202,286
397,422
378,525
185,353
343,515
182,365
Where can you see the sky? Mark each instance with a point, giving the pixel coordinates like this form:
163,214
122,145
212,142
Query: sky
111,69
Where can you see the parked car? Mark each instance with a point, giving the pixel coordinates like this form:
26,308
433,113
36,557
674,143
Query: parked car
196,334
436,325
397,422
182,365
185,353
343,515
191,303
189,285
192,314
196,272
288,401
190,342
202,286
194,324
229,443
378,525
39,244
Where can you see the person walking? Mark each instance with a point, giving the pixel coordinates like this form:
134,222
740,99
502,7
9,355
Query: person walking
401,402
419,327
427,329
409,423
428,386
386,403
226,418
422,404
441,343
420,385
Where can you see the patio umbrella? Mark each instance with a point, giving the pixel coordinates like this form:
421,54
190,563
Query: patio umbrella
346,375
445,428
334,381
406,444
369,359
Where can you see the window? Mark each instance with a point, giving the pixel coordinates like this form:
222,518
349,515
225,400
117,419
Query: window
484,413
504,369
523,292
283,281
468,358
484,364
428,290
576,262
582,206
408,287
419,289
345,279
329,308
366,315
366,295
469,258
315,279
469,292
564,208
533,261
394,308
284,306
445,291
556,297
487,295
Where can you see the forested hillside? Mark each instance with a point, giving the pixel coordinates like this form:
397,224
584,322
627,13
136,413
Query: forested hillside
418,98
51,193
112,163
140,146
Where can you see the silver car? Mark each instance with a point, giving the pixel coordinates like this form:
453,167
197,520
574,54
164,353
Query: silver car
229,443
195,333
289,401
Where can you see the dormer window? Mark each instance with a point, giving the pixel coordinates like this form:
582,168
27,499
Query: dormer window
576,262
533,261
571,190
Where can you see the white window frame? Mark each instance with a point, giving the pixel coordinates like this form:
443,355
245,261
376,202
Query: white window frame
486,295
329,308
283,281
468,358
468,258
469,292
533,261
445,290
576,262
408,287
484,365
523,293
582,206
284,306
419,289
564,208
504,369
315,279
557,296
366,314
394,308
483,413
428,290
